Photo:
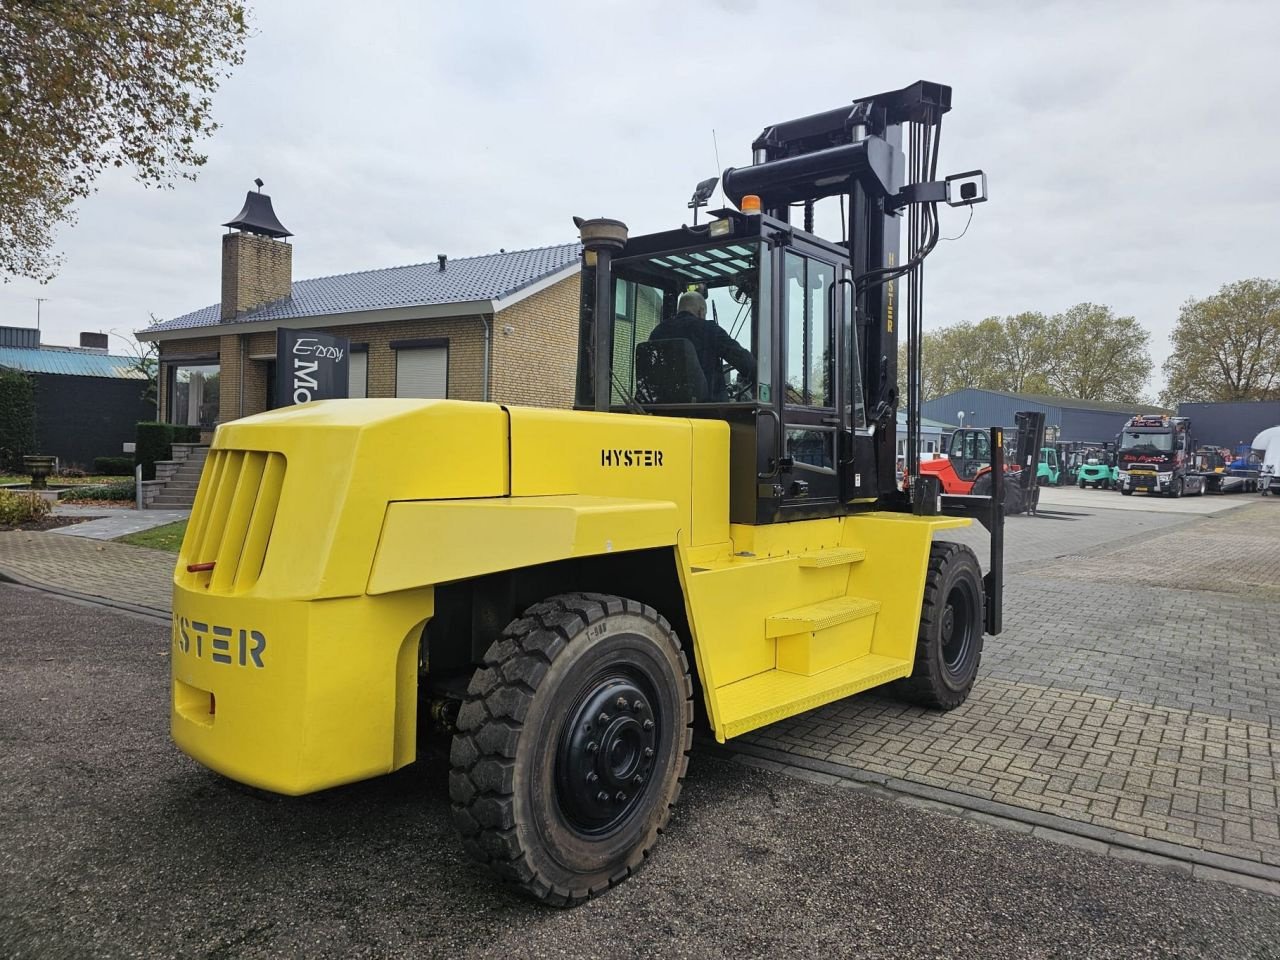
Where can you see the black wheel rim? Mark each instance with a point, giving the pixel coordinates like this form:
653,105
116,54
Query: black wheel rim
607,751
957,628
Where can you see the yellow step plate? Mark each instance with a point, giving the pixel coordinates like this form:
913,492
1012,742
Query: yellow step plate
819,616
775,694
835,557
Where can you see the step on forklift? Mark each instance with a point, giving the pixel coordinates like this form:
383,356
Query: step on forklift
556,594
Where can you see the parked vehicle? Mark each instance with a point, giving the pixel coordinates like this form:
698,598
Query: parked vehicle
1267,445
1154,456
1098,469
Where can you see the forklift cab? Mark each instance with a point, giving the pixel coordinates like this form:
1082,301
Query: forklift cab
800,442
970,452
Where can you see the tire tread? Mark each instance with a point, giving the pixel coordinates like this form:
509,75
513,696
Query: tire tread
483,754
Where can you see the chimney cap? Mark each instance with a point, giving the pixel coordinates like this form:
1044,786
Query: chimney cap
257,216
443,259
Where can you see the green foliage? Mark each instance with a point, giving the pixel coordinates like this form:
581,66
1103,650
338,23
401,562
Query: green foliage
153,442
1098,356
106,491
17,418
17,507
90,84
1086,352
113,466
1227,346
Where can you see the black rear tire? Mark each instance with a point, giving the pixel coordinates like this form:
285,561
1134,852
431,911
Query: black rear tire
1012,492
952,620
572,746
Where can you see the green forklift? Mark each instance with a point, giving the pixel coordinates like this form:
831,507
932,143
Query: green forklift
1098,467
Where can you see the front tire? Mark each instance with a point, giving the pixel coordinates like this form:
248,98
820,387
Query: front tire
952,620
572,746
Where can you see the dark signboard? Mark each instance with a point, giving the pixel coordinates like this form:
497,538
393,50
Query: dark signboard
310,366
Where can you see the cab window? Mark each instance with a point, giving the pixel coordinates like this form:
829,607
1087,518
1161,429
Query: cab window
807,331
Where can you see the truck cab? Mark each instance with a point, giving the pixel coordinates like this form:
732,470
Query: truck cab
1154,455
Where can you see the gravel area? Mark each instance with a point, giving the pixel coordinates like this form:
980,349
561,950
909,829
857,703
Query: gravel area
114,845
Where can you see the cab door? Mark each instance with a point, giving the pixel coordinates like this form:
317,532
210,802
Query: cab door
813,417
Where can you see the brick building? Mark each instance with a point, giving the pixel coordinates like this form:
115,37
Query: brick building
501,327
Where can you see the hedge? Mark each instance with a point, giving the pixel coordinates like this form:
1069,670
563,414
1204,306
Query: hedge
17,419
113,466
155,442
105,491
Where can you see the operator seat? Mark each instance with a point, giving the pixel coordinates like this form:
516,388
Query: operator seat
667,371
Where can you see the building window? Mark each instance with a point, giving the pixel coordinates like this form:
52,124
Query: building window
358,374
193,394
422,368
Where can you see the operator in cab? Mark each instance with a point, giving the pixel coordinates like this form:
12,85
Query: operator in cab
711,343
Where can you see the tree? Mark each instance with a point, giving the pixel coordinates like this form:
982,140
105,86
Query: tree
144,358
1097,355
1087,353
91,84
1227,346
1024,353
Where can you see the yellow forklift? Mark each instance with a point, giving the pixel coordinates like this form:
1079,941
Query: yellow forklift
556,594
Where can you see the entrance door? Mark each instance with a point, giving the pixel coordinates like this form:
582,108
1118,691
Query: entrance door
811,391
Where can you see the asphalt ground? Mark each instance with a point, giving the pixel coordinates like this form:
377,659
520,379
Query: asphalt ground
112,844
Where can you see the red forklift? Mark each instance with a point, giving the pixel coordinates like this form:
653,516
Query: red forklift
966,469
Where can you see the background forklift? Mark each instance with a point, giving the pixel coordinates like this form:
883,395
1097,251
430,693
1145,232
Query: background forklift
966,469
549,590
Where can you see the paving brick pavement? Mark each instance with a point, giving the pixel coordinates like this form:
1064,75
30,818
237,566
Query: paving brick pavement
1148,709
1066,531
1235,552
113,571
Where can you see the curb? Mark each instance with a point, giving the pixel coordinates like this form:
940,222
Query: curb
149,613
1200,864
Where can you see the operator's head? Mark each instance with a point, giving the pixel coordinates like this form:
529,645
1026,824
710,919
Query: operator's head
692,302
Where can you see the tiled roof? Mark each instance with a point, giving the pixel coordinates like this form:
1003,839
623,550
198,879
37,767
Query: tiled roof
69,362
489,277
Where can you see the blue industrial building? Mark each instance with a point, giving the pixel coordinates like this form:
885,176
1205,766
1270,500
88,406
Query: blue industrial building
1065,419
88,401
1230,423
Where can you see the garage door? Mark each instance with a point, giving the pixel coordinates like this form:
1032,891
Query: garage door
422,372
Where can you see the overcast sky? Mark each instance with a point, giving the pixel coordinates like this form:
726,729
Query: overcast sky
1131,148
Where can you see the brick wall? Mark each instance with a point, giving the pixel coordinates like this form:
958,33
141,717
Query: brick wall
255,270
535,364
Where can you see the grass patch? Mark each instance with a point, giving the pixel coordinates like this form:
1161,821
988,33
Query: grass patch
168,537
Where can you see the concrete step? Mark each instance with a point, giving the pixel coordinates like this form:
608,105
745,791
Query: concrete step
167,503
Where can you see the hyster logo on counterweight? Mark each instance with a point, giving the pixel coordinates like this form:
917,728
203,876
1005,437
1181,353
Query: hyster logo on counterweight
630,458
218,643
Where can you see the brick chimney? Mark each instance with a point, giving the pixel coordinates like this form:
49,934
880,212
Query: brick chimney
257,261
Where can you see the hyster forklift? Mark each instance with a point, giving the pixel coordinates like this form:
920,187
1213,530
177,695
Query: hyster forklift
556,594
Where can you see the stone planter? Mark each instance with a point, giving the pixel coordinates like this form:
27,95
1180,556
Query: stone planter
39,467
